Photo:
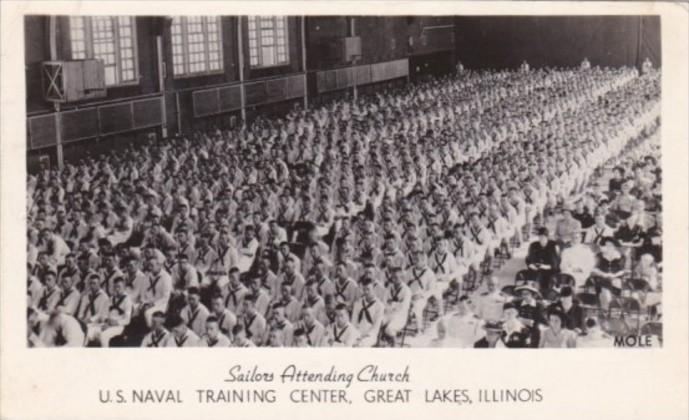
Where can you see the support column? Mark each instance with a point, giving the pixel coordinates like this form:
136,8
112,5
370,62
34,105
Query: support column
240,53
58,136
178,108
58,117
161,84
303,61
352,32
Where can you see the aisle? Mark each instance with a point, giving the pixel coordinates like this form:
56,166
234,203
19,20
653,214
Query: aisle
505,276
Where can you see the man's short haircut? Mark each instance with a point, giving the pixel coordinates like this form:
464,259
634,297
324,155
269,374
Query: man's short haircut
176,320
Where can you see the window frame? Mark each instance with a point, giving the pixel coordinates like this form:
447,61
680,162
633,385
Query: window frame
187,73
87,22
275,46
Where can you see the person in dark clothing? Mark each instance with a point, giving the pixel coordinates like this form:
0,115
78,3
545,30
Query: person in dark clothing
611,219
630,236
531,311
607,275
652,242
543,259
583,215
493,338
515,333
629,233
615,183
570,307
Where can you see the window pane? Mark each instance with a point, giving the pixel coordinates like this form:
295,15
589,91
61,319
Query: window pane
178,59
268,41
196,44
103,34
268,56
126,45
77,37
110,75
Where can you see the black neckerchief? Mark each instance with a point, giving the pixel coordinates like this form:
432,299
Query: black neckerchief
417,277
193,316
180,343
364,312
116,303
439,263
63,297
395,295
153,283
338,336
157,338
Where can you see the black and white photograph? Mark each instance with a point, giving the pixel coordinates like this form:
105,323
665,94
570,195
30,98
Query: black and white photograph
357,181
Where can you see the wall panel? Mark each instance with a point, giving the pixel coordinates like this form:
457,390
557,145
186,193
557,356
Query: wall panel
42,131
206,102
80,124
115,118
255,93
230,98
295,86
330,80
147,112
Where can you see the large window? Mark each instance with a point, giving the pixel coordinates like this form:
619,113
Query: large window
196,45
268,41
111,39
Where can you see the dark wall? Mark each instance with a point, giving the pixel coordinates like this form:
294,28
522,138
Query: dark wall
320,32
37,47
430,34
429,41
505,41
650,41
383,38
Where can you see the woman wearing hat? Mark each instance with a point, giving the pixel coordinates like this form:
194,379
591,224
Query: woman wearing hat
515,333
530,310
607,275
556,335
493,337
